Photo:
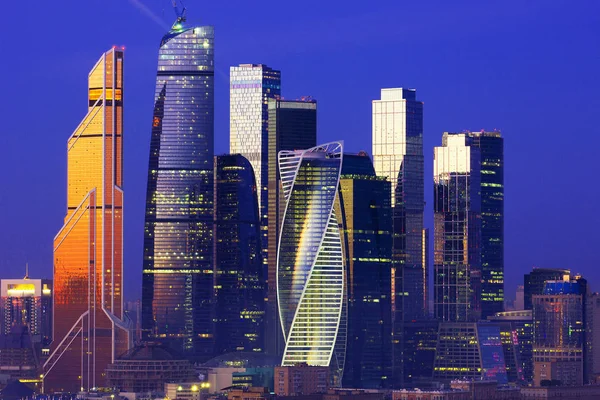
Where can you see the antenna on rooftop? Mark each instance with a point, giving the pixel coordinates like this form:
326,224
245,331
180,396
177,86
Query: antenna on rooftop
26,270
180,15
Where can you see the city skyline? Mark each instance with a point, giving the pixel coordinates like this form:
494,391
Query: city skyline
522,195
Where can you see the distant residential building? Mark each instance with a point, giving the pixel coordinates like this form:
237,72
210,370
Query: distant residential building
535,281
147,367
27,303
559,333
471,351
301,380
516,329
239,288
365,214
486,390
292,125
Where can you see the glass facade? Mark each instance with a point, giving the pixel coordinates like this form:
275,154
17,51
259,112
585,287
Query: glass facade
457,229
516,329
311,281
491,147
88,250
292,125
470,351
178,274
397,132
239,282
559,332
27,302
535,281
367,227
420,341
250,88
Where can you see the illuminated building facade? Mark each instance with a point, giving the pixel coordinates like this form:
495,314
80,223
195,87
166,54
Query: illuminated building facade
88,251
250,88
559,332
292,125
177,287
367,226
491,149
397,132
27,302
457,229
535,281
311,278
471,351
239,283
516,329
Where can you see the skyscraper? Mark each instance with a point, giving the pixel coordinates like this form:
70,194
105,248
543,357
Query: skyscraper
491,148
457,229
559,332
365,214
239,282
250,88
88,250
178,274
311,278
292,125
535,281
27,302
398,156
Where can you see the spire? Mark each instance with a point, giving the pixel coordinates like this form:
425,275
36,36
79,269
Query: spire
26,270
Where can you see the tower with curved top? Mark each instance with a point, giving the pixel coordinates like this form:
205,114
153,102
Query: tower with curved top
178,274
311,281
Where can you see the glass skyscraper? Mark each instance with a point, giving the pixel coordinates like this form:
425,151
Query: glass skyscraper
535,281
397,132
491,148
367,226
88,251
250,88
311,278
292,125
559,332
398,156
239,281
457,229
178,275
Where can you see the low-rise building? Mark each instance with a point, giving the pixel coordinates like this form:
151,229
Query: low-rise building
301,379
588,392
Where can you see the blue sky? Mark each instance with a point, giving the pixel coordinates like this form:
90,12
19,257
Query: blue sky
529,69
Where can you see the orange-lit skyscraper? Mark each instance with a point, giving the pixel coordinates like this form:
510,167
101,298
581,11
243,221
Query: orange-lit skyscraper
88,250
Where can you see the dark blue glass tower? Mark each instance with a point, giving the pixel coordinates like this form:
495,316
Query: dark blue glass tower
367,224
178,267
239,280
